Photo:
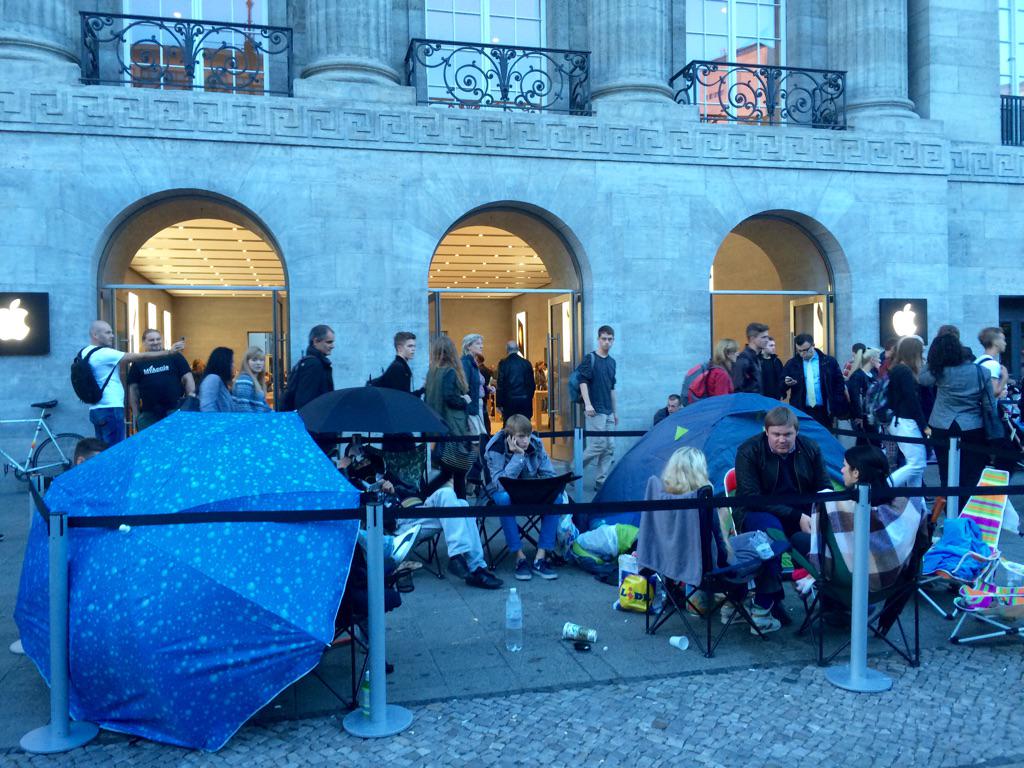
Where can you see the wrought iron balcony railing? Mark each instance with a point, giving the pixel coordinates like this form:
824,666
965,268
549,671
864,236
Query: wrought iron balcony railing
1011,119
186,54
509,77
762,94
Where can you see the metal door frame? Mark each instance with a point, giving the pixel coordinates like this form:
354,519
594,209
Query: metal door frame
108,306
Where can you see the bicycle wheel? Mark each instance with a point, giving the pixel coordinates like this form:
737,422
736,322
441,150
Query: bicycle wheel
54,455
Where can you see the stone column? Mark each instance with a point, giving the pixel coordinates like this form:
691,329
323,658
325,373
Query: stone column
350,42
38,41
868,38
629,51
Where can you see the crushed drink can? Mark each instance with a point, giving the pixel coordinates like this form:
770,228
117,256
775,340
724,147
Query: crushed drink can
572,631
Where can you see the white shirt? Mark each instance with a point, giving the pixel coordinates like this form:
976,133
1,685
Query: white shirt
102,362
993,366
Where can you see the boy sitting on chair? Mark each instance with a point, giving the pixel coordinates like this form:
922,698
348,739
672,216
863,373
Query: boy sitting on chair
517,453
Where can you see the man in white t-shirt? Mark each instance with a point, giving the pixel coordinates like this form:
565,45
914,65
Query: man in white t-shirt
107,416
994,342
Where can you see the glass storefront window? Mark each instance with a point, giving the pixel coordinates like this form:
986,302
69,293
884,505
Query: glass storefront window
505,22
745,31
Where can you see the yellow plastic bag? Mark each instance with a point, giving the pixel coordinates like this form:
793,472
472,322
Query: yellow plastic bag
635,594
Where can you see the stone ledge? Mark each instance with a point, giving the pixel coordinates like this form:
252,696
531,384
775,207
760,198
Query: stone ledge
986,163
116,111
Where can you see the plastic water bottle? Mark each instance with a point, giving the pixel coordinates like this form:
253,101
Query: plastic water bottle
513,622
364,695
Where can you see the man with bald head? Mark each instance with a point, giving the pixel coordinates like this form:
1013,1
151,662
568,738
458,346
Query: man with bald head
107,416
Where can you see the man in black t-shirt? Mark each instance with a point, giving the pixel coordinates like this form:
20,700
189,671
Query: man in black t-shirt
597,389
155,386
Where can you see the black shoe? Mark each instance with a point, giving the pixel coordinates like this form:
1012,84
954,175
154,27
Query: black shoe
779,612
458,567
483,579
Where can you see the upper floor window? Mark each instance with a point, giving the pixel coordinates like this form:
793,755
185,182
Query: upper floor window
1011,47
234,11
745,31
499,22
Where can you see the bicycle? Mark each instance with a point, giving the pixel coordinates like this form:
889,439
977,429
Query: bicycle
50,457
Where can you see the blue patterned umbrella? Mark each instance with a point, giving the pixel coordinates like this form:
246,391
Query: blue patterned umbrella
180,633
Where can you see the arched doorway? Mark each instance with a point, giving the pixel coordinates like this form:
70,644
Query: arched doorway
199,268
772,268
508,274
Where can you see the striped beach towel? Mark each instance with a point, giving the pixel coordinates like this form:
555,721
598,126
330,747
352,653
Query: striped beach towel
987,511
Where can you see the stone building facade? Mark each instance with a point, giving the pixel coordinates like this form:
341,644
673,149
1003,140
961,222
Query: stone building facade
355,184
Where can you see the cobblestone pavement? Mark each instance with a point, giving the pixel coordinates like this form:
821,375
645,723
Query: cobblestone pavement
963,707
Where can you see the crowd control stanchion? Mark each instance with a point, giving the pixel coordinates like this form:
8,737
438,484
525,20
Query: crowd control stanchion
62,733
856,676
577,460
953,477
384,719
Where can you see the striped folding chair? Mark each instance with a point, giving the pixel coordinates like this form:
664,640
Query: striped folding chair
987,513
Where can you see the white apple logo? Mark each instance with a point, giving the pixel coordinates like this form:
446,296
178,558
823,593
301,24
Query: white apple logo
12,322
904,321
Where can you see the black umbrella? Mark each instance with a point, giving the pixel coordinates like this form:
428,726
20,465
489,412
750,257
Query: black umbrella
370,409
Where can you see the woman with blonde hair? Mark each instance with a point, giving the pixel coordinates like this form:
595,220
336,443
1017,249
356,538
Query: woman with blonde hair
446,392
864,372
717,379
249,389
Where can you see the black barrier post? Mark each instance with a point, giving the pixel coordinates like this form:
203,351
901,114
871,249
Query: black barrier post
577,460
385,719
856,676
62,733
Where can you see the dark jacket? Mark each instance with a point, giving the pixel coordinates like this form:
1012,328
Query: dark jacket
515,386
833,386
313,376
397,376
904,396
746,372
757,472
501,463
857,388
473,381
772,377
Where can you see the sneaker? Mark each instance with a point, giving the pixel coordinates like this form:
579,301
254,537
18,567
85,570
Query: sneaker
458,567
404,543
523,572
763,620
543,569
483,579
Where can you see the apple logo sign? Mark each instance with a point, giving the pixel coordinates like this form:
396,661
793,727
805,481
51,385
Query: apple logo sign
904,321
12,322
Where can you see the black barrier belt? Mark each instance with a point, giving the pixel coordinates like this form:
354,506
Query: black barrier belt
520,510
882,437
41,509
615,433
444,438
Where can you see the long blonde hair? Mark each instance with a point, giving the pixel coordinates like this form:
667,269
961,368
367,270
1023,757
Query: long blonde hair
864,356
686,470
255,353
723,349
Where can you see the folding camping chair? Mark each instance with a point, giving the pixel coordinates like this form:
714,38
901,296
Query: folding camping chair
535,490
835,583
722,581
996,599
987,513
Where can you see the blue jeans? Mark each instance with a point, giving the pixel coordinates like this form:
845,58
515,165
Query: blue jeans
548,525
768,584
108,423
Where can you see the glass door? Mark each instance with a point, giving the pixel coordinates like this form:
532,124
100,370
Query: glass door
560,358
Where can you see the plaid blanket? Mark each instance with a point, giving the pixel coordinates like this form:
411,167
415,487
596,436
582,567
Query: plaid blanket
894,528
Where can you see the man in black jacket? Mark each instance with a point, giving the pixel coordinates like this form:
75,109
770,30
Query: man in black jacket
399,375
746,371
516,384
815,383
778,461
313,376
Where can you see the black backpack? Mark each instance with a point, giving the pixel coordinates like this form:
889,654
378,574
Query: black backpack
292,386
83,380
